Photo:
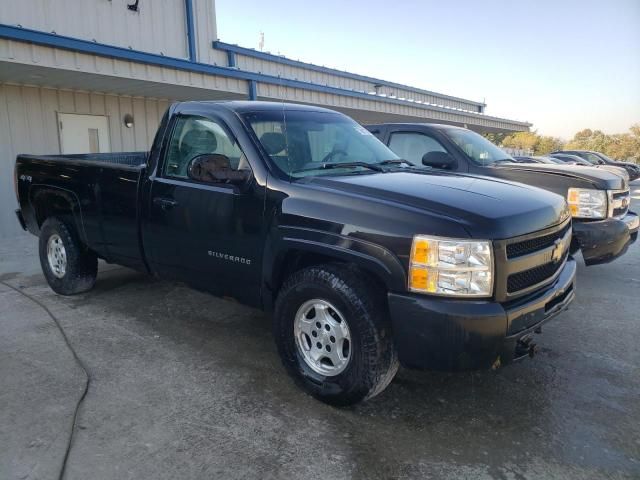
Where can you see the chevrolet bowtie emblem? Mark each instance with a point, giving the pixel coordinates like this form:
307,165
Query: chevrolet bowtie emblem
558,250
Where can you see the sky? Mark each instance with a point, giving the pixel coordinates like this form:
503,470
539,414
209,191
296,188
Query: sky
562,65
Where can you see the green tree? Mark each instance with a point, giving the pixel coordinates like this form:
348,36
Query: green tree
496,138
588,139
522,140
547,144
539,144
620,146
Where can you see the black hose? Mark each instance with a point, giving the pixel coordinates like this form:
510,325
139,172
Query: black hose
78,361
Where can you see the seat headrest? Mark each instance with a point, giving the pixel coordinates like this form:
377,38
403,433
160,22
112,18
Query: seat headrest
273,142
199,141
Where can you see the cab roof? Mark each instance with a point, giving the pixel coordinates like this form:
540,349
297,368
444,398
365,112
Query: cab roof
243,106
439,126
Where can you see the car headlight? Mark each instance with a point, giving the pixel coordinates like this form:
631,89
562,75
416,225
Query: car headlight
587,203
452,267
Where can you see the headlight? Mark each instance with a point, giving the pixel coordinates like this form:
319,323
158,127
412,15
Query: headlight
447,266
587,203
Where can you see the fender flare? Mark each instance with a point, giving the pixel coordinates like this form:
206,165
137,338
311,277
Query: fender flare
39,189
371,257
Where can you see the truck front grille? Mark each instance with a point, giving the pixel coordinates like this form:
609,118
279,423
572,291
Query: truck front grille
530,262
619,203
534,244
533,276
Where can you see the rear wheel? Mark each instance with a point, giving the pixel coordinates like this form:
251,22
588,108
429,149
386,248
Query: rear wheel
333,334
68,266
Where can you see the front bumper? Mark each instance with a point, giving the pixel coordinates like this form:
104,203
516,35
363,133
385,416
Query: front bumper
603,241
449,334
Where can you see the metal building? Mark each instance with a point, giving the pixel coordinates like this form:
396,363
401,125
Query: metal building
97,75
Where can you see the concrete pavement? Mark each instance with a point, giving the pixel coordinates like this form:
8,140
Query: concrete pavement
185,385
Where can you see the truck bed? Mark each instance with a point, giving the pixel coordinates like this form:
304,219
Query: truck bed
102,189
131,159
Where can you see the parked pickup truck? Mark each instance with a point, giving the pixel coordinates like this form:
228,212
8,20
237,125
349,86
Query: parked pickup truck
361,260
603,226
601,160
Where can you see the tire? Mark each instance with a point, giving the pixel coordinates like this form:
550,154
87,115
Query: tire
77,273
372,359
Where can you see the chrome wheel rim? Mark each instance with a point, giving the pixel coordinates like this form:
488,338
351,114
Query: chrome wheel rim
57,256
323,337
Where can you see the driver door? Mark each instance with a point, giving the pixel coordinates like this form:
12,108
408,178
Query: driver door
207,234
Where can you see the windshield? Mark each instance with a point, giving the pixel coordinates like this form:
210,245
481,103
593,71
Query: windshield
478,149
604,157
590,157
304,143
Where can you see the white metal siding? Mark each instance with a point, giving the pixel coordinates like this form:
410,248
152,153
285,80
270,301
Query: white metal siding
253,64
365,105
28,124
67,61
133,78
158,26
204,12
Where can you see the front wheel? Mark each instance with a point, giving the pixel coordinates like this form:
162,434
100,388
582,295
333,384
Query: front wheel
333,334
67,264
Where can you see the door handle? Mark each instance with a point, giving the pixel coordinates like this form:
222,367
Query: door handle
165,203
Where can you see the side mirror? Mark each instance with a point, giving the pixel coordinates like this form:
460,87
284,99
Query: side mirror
439,160
215,168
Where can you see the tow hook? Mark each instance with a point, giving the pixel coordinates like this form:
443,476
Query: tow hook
526,346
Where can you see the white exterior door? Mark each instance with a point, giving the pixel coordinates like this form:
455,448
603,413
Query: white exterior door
83,133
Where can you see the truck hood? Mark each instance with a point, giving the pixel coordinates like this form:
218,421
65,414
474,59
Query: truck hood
624,165
486,208
616,170
596,177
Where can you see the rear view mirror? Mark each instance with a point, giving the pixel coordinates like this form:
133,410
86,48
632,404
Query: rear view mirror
439,160
215,168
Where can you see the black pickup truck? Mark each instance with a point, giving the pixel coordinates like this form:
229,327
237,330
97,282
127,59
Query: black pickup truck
362,260
603,226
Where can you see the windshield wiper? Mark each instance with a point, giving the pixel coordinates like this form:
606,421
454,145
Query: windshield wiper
395,161
504,160
402,161
328,166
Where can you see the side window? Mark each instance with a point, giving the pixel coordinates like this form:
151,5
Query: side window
271,134
193,136
412,146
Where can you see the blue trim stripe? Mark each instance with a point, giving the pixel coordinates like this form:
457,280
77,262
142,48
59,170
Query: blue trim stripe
191,31
253,90
231,59
93,48
250,52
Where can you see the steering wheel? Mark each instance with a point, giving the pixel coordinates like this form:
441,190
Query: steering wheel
332,154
